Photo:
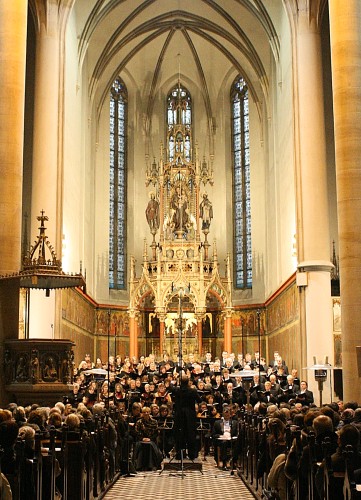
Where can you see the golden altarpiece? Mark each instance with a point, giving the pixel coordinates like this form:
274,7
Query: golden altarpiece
180,269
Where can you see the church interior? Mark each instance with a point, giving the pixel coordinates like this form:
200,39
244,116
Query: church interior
179,174
180,193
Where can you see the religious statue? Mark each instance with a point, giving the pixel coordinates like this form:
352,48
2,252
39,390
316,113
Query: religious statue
8,367
50,372
152,214
206,212
179,205
65,368
35,366
22,369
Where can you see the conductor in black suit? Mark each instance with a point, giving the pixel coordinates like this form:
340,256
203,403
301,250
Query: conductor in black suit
185,422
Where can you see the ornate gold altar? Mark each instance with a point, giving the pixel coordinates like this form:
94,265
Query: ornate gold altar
178,260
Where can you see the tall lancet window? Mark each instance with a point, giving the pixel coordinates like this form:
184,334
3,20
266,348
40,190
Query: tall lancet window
179,121
241,184
117,229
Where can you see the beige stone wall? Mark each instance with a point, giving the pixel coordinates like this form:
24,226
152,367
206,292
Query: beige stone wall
78,323
283,327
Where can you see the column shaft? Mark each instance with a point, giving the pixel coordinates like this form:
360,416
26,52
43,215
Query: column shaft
228,334
13,27
45,179
200,338
133,347
161,336
345,30
312,217
46,186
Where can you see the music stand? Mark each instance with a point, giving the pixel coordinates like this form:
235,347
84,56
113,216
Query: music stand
202,428
165,426
232,439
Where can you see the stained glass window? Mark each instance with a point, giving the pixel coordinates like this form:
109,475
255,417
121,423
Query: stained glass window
179,112
117,202
241,184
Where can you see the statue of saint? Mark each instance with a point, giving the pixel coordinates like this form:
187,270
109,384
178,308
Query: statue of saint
206,212
179,205
152,214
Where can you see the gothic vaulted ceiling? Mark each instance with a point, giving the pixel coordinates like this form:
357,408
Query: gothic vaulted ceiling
202,40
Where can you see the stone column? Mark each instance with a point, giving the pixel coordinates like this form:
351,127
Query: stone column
312,202
45,179
13,26
161,335
228,331
345,29
46,174
200,338
133,338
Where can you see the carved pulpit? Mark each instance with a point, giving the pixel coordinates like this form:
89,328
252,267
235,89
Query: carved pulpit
38,370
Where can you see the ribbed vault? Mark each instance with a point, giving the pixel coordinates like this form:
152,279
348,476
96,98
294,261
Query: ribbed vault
120,36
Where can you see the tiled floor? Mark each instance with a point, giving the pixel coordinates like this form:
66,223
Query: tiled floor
213,484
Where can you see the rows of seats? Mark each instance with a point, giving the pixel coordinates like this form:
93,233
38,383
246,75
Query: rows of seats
284,461
281,453
63,463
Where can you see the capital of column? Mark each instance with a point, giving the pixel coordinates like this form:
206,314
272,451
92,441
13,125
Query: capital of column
228,312
315,265
308,13
133,313
161,315
200,313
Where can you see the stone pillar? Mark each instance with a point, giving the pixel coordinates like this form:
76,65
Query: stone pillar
13,27
345,30
46,174
133,339
312,202
46,187
228,332
161,335
200,338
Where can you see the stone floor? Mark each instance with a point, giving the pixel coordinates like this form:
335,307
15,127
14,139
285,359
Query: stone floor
210,483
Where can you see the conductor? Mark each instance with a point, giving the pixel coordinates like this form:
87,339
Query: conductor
185,421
